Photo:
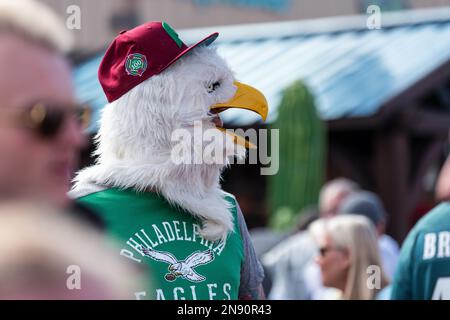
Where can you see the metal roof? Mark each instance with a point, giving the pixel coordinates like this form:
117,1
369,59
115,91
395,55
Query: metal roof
352,72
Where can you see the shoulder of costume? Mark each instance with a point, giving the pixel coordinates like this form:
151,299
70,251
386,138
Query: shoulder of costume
85,188
229,195
230,198
88,181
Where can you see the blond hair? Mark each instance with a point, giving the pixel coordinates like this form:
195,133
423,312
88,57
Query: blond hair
357,235
35,22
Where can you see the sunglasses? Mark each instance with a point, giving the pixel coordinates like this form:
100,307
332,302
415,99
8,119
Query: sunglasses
323,250
47,120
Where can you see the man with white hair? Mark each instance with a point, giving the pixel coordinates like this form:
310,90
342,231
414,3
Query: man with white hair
333,193
40,129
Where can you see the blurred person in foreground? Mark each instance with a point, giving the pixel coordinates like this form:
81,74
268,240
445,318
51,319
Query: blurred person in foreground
369,205
423,272
347,251
69,261
40,123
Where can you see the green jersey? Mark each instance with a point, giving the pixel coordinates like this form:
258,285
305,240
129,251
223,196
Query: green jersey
424,265
183,265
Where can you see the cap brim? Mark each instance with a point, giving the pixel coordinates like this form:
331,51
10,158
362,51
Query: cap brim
205,42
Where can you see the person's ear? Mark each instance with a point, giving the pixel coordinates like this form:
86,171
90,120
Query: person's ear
381,228
443,183
347,258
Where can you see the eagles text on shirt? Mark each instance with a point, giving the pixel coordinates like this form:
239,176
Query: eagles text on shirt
143,244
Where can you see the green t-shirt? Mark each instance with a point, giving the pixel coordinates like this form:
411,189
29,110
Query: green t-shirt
182,264
424,264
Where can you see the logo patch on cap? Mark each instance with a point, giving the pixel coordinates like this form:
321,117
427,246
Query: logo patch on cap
136,64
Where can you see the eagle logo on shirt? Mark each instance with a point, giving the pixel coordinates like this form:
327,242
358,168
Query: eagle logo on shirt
183,268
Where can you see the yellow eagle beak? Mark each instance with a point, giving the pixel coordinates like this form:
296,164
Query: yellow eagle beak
246,97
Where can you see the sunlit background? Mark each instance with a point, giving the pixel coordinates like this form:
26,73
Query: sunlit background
379,78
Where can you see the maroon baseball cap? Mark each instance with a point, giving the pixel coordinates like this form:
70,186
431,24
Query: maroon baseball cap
137,54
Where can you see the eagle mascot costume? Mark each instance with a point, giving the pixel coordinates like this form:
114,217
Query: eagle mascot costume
167,210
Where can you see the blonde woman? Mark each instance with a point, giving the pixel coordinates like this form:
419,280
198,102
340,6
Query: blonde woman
349,257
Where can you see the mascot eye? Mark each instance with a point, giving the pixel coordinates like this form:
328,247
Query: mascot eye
213,86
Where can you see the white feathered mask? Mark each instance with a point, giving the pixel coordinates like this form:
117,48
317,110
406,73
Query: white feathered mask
147,140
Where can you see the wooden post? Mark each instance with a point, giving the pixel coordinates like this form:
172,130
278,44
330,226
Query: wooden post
391,165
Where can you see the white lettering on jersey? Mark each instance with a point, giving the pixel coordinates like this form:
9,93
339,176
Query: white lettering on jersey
444,244
180,293
175,293
436,244
210,290
442,289
429,246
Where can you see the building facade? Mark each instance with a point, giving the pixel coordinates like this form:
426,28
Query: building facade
100,20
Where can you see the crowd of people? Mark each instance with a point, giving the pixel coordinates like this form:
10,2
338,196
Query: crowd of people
330,256
339,251
336,253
